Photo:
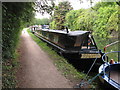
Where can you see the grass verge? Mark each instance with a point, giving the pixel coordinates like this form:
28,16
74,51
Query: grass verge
61,63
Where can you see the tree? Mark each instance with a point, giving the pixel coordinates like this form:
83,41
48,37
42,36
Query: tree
45,6
108,1
72,17
102,19
43,21
59,14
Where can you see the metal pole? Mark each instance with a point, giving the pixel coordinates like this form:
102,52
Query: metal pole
110,45
119,52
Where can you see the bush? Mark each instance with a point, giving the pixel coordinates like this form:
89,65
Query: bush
102,19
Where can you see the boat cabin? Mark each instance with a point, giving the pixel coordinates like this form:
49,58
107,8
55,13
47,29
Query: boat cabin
69,42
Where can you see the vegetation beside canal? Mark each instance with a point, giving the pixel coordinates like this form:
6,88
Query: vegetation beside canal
61,63
12,24
9,68
101,19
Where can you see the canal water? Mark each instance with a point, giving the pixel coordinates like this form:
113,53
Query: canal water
102,42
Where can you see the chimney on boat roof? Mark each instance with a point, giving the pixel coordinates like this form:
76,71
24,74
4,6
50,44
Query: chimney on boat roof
67,30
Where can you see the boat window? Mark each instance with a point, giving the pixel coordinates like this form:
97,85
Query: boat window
89,43
55,39
51,36
45,34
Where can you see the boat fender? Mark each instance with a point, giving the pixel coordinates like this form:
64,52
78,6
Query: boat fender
112,61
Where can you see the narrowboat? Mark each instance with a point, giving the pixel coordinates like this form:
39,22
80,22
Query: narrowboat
110,72
80,43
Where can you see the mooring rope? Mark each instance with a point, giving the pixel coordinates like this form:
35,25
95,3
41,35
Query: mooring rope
83,83
90,80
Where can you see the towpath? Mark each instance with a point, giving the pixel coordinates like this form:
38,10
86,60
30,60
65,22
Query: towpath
36,69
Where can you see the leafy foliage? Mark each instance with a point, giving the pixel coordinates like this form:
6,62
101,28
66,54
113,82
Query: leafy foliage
102,19
59,15
53,25
72,17
44,21
15,16
45,6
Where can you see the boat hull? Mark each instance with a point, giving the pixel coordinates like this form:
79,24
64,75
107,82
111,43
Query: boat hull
110,76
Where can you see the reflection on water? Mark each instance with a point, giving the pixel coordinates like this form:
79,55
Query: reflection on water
102,42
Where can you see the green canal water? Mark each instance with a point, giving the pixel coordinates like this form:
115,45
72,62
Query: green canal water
102,42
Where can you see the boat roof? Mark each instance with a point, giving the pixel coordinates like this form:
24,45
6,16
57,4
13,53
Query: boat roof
78,32
71,33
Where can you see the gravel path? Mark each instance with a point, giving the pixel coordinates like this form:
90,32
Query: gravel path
36,69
